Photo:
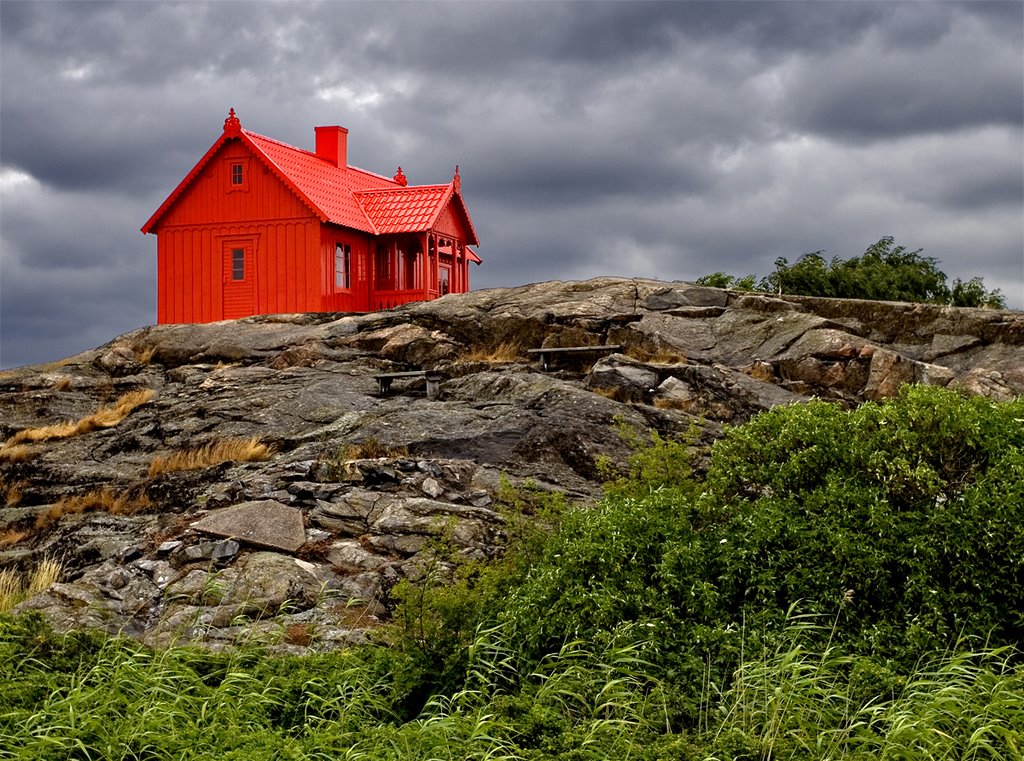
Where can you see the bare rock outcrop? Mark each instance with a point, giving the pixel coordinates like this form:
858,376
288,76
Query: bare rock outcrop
373,485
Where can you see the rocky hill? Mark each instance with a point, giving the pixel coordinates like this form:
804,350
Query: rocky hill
249,479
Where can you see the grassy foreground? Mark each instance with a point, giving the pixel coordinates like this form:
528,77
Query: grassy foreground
79,697
838,585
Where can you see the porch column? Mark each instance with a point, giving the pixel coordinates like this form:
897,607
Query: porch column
424,279
460,257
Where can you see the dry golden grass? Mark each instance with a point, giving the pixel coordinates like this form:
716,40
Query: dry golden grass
661,356
97,500
63,383
144,355
612,392
44,576
10,537
299,634
353,615
104,417
13,588
50,366
507,351
16,453
371,448
12,492
214,453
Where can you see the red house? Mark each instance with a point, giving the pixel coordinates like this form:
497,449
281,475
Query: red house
261,227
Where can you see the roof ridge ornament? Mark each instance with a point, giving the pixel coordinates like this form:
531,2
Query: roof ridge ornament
400,178
457,181
232,126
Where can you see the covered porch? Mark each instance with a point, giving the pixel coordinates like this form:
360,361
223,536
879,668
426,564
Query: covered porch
418,267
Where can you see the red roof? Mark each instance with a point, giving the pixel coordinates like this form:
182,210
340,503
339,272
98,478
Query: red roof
406,210
328,189
346,196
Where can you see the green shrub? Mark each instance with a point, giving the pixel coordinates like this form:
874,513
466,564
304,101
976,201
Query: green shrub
898,520
908,510
437,618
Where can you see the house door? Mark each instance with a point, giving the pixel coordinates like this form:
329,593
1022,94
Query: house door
445,278
239,279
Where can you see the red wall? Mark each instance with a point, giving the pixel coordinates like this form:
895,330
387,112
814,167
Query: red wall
356,298
286,270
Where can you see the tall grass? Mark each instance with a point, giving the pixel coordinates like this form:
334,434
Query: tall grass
236,450
97,500
116,699
104,417
15,587
793,702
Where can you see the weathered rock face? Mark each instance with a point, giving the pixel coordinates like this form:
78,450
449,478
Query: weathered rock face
302,549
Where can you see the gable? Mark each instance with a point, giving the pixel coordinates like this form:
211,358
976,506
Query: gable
418,209
209,196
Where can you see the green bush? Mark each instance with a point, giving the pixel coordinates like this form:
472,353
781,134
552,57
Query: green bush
899,520
907,511
437,618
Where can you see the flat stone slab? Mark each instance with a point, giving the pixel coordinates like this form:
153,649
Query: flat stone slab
263,523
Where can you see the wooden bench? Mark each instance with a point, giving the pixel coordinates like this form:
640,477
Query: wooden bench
546,355
432,376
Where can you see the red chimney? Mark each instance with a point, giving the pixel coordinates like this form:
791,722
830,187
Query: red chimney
332,145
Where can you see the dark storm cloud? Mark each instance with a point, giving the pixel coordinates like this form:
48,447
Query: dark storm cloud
943,87
633,138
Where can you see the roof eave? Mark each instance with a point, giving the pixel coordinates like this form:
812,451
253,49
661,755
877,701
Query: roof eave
193,173
469,222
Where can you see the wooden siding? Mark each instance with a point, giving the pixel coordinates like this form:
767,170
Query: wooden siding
210,199
191,272
357,297
449,223
283,234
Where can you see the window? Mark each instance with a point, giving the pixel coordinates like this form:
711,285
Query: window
236,174
342,265
238,264
410,270
384,267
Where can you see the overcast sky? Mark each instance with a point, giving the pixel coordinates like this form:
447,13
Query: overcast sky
668,139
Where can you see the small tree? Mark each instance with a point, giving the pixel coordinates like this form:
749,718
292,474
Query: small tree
973,294
884,272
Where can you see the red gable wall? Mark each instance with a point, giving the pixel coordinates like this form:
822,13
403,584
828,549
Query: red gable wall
284,272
